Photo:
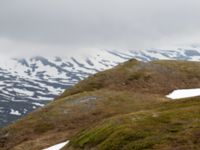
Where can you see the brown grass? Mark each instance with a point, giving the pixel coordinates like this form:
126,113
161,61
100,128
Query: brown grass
130,87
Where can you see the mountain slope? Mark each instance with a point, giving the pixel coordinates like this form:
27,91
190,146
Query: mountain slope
29,83
170,127
128,97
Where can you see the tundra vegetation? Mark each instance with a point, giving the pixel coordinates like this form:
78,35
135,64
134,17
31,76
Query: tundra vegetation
122,108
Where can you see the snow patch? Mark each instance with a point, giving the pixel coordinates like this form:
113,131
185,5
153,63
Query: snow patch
15,112
184,93
57,146
38,104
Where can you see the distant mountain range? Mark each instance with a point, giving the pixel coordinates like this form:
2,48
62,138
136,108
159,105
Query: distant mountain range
29,83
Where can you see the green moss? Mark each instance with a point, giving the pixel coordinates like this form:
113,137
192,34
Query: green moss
94,136
120,138
143,130
146,143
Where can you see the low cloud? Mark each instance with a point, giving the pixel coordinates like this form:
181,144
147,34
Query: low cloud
49,27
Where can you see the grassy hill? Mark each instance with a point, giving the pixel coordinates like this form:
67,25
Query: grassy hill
121,108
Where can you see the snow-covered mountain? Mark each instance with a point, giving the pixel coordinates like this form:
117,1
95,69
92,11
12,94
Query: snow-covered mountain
29,83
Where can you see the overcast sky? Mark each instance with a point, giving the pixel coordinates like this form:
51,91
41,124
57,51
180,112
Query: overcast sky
57,27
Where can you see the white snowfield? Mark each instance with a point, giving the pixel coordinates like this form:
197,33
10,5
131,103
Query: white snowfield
57,146
184,93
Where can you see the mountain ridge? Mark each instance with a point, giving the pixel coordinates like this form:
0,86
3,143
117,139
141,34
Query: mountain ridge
29,83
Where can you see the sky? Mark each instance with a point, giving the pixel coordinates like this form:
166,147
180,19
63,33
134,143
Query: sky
61,27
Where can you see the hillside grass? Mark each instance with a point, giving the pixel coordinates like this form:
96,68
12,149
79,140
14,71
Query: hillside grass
119,101
173,126
160,77
70,115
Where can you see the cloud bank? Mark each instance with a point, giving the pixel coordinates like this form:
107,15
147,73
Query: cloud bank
60,27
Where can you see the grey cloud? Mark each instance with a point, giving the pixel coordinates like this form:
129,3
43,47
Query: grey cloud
30,25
